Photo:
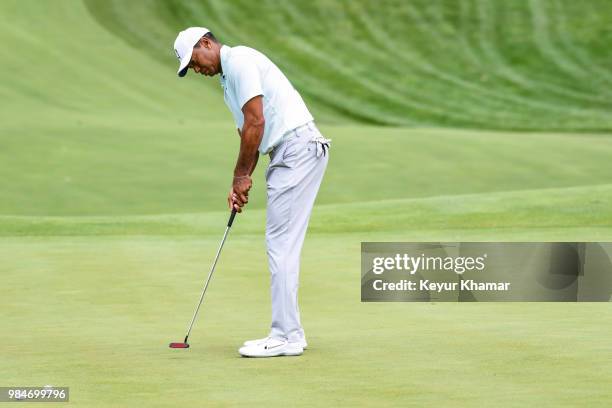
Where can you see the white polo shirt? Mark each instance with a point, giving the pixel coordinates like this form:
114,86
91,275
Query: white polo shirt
248,73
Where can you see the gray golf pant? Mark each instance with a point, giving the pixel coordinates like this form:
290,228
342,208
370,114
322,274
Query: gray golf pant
293,178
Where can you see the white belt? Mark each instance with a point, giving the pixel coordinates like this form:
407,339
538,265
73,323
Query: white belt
321,142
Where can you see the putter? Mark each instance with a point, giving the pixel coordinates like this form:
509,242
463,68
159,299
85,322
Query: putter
185,344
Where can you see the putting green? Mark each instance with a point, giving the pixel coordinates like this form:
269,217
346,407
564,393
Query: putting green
114,176
96,314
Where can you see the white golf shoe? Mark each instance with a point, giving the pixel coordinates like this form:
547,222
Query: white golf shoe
271,348
257,341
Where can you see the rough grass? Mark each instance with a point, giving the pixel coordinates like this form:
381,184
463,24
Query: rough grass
528,64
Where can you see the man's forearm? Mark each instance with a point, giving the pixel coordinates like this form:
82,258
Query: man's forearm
254,162
250,137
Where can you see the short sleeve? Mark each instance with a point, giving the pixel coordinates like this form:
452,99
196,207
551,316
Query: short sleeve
247,82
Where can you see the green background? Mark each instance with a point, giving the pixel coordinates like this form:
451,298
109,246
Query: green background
450,120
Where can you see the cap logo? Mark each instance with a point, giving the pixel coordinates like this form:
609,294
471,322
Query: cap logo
177,54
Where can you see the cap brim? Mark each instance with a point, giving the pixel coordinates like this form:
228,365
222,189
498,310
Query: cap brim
183,67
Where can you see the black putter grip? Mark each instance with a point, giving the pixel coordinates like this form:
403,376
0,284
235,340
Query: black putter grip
231,220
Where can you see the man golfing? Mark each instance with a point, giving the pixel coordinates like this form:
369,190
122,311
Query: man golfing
272,119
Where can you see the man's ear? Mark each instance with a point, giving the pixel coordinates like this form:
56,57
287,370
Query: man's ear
204,42
200,42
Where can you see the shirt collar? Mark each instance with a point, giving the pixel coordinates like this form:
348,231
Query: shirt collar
225,54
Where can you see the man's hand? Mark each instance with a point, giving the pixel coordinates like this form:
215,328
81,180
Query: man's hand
250,138
239,193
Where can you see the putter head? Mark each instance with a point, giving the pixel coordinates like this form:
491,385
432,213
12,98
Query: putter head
179,345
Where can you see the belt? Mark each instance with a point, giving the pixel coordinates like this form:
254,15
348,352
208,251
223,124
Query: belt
322,144
310,125
290,133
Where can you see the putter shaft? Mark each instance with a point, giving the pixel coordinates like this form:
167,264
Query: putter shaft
212,269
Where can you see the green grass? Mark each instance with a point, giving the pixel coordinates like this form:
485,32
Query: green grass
524,64
556,209
97,313
114,175
133,168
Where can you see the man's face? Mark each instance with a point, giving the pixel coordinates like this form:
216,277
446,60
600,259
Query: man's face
205,58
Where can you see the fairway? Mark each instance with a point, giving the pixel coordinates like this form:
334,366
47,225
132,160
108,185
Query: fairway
115,175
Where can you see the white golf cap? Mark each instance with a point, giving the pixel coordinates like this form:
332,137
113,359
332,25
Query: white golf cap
183,46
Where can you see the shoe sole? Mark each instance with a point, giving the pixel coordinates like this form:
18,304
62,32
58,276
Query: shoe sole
285,354
288,353
248,343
